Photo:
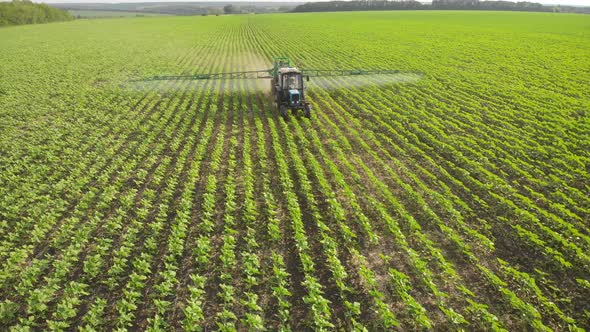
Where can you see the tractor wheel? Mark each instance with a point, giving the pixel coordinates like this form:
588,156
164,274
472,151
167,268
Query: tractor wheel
307,111
284,111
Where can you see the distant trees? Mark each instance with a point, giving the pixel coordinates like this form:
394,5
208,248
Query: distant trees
414,5
357,5
228,9
463,3
490,5
26,12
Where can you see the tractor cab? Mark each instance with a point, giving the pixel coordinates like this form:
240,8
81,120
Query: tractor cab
292,84
289,91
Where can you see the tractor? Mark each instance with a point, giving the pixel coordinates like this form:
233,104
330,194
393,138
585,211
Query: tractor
287,88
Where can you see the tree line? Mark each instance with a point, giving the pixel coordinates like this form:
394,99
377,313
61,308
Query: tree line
25,12
332,6
490,5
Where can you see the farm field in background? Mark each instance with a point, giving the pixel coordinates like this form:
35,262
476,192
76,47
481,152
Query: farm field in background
455,199
109,13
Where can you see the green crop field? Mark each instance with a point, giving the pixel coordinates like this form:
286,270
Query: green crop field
453,197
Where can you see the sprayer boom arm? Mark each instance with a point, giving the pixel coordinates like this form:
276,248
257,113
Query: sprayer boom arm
253,74
346,72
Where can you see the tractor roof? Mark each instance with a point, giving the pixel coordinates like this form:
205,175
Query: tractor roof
286,70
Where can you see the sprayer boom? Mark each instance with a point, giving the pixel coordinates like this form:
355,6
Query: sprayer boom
287,84
279,62
346,72
254,74
268,74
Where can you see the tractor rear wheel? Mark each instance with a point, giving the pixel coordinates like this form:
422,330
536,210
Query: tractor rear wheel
307,111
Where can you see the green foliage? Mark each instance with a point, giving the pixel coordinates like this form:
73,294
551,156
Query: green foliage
26,12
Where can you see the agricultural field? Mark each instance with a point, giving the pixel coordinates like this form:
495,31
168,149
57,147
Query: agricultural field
453,197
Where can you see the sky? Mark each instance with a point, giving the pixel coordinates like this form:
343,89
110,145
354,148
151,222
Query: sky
553,2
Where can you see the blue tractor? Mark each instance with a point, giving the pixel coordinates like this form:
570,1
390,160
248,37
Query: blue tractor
288,89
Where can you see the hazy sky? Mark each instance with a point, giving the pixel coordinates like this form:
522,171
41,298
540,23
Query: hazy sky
561,2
